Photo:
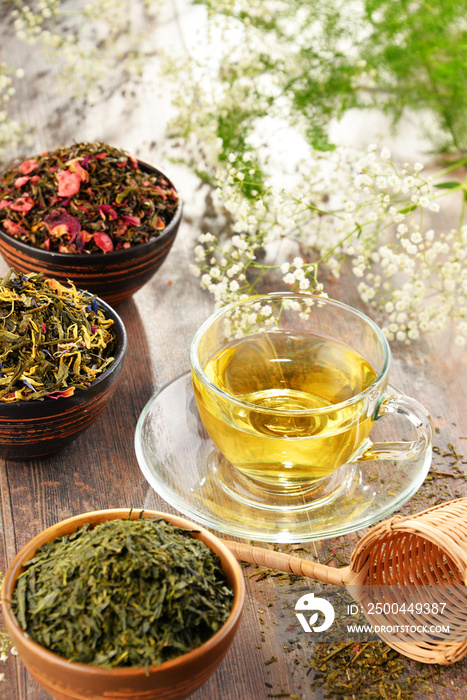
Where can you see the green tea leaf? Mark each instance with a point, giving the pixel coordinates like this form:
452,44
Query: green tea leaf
53,338
124,593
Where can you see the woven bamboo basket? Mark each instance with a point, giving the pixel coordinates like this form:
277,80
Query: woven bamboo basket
419,561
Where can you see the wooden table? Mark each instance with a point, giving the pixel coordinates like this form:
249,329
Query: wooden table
100,469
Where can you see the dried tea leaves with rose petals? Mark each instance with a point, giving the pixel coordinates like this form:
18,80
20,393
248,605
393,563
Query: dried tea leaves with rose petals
124,593
53,338
85,198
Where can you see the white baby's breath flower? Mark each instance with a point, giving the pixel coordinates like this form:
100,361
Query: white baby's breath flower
299,273
342,204
385,154
206,238
199,252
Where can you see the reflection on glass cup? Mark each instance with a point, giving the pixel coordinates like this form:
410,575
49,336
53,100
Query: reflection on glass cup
289,387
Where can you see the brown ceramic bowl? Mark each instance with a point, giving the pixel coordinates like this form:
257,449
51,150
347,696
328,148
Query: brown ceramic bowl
172,679
113,276
37,428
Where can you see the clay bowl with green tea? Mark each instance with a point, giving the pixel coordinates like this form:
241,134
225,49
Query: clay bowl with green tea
62,351
148,608
89,213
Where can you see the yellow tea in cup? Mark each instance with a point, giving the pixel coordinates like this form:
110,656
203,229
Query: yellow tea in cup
290,395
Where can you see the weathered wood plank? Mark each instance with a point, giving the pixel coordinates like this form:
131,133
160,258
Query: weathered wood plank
100,469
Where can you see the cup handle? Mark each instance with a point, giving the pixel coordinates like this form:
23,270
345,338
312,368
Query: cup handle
414,412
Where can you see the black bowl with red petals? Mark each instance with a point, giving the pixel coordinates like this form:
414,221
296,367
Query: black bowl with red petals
89,213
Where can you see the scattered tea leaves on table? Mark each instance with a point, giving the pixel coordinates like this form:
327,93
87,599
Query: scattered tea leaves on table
124,593
372,670
53,338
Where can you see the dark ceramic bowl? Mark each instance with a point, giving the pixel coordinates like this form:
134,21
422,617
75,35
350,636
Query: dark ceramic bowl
37,428
171,680
113,276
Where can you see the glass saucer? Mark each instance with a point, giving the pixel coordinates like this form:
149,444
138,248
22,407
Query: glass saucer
184,467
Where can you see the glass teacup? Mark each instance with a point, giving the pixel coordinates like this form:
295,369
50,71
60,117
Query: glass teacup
289,387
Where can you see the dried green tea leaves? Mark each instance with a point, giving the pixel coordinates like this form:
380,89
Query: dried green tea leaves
125,593
53,338
85,198
371,670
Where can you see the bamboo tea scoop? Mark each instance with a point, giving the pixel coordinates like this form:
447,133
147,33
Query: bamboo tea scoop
427,552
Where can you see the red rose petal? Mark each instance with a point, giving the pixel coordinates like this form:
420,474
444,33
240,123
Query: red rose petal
103,241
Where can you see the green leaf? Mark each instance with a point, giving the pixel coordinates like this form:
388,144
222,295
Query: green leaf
447,185
7,337
62,373
125,193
